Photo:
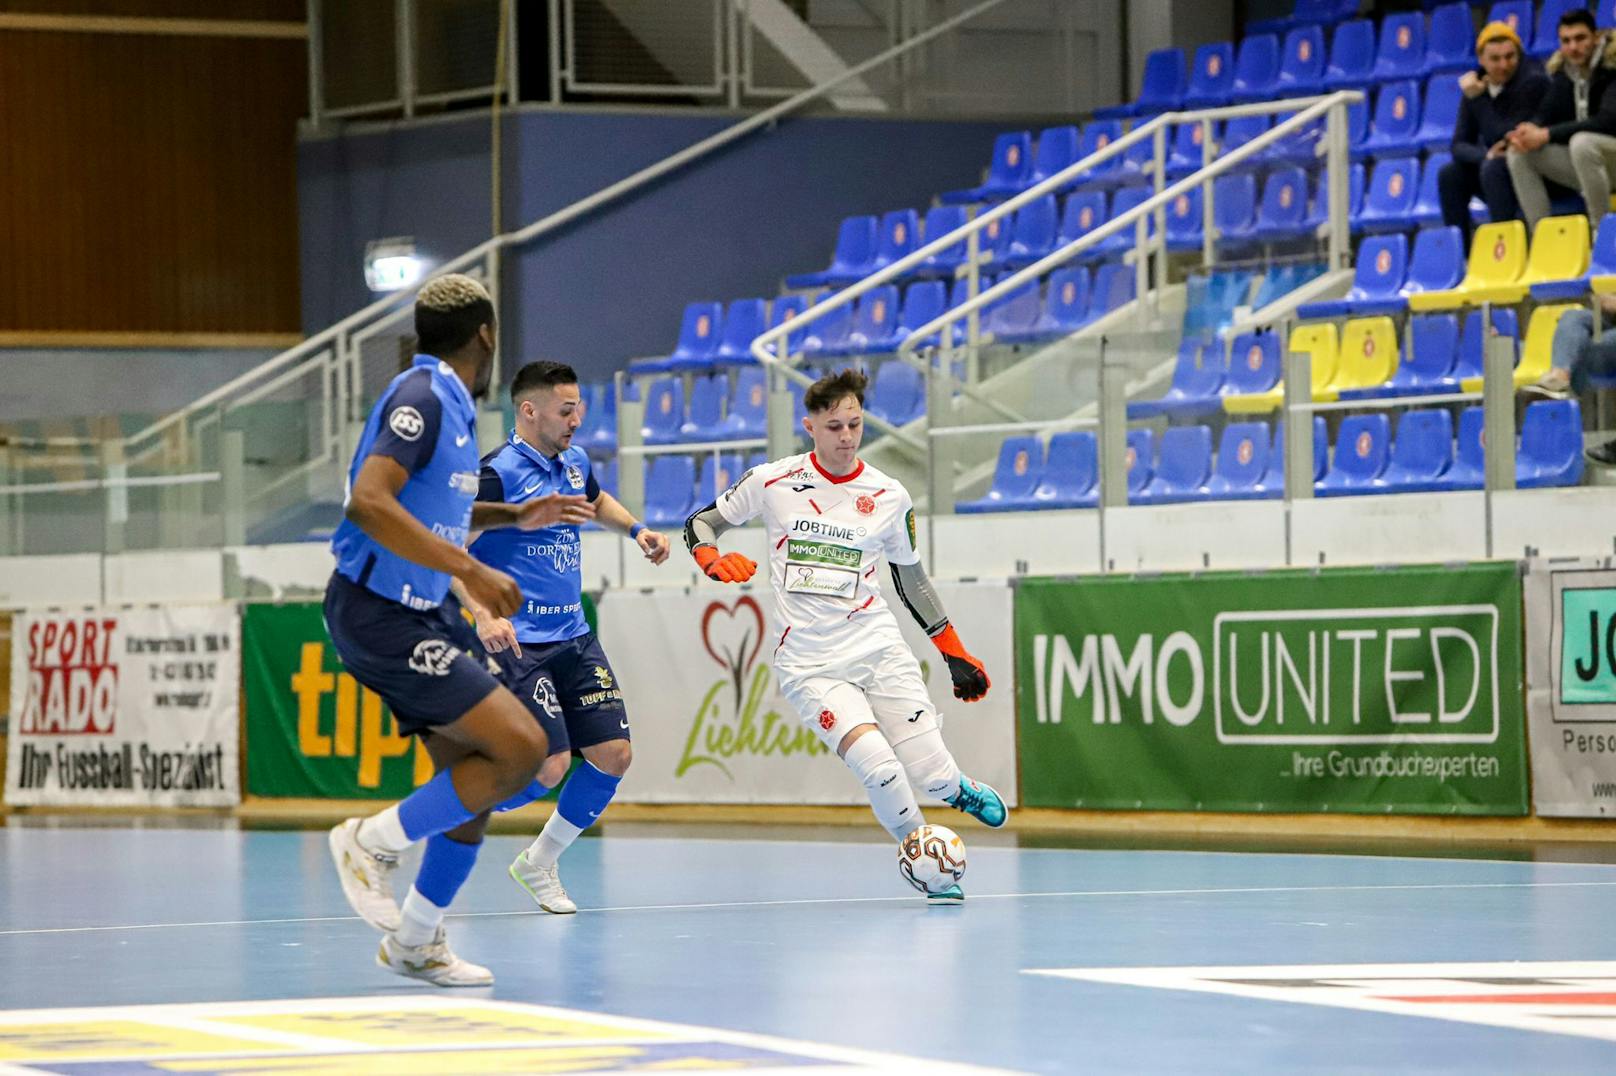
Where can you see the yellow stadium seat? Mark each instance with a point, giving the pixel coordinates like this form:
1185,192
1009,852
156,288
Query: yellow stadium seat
1535,349
1559,252
1497,257
1603,283
1368,355
1318,340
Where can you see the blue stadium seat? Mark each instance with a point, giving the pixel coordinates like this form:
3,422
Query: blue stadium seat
605,474
1197,383
1096,136
1183,468
1376,278
1185,151
875,322
1319,209
1469,458
1439,113
1242,462
713,478
827,336
1402,46
1273,480
1140,463
1546,39
1256,68
1300,147
993,239
786,308
1352,56
757,459
705,418
1114,287
1185,221
1396,123
923,301
699,332
1161,88
1301,65
898,237
1283,210
664,411
1071,472
1450,47
1421,455
749,407
597,433
1032,233
1551,445
1066,305
1212,77
1121,241
1437,263
670,486
1429,355
1389,201
1254,364
1015,318
744,321
1015,477
1057,151
1601,262
940,221
1240,130
1517,14
1084,210
1135,167
855,253
1007,171
1362,447
1307,12
1428,201
898,393
1504,323
1234,208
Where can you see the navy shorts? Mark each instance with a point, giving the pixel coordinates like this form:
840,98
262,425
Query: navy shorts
427,664
570,688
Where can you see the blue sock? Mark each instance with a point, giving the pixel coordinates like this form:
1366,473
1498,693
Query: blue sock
585,795
534,791
444,868
432,808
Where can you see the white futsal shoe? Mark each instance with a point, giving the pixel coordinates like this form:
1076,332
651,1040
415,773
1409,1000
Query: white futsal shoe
367,877
433,962
543,884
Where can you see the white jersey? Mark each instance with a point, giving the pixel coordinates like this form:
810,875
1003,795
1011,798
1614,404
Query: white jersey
826,537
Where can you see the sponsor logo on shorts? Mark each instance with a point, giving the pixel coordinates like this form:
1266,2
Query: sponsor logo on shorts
433,657
407,423
544,693
827,720
596,698
603,676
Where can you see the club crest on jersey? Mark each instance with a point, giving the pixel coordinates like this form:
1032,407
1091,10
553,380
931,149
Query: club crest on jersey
865,504
827,720
575,476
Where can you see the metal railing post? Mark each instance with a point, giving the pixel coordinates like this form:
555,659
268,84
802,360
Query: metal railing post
404,34
554,12
739,21
316,39
1498,415
233,487
973,320
116,512
1298,425
780,427
1159,154
941,452
1113,429
1338,165
1209,243
630,468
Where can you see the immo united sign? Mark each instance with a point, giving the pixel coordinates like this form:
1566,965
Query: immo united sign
1346,690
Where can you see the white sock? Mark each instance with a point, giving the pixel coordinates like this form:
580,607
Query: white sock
931,768
893,801
418,921
384,833
556,837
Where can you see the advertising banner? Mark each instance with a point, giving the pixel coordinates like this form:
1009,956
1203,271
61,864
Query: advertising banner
1350,690
125,707
709,726
1571,686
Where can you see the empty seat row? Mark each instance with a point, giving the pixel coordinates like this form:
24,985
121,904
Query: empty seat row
676,486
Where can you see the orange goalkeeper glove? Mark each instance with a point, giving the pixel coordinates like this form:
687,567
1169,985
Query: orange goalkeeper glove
970,678
728,568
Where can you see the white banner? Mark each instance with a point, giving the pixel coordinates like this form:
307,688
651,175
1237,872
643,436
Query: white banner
1571,686
710,726
125,707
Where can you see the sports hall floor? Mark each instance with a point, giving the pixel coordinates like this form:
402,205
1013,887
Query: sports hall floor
771,948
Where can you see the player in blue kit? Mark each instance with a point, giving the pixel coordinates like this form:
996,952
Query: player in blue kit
548,656
409,508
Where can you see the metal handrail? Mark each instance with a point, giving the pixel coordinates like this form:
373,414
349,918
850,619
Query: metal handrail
1303,117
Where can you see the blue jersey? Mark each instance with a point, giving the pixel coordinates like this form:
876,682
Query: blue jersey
427,422
548,563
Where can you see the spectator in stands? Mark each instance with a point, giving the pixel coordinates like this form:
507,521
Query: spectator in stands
1502,94
1572,139
1576,357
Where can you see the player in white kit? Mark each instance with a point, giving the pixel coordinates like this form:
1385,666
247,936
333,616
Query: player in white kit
838,654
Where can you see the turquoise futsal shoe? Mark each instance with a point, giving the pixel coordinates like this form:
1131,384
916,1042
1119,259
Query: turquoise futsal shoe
947,897
980,802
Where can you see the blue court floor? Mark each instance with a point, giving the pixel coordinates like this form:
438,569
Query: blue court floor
806,954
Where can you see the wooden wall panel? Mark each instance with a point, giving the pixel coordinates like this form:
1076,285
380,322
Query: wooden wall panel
148,182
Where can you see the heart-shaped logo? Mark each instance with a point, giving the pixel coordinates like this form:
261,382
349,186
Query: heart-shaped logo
733,635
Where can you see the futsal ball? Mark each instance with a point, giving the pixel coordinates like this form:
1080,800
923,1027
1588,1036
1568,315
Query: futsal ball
932,858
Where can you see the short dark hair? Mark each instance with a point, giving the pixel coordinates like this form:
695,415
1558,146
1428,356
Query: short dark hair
831,389
541,374
1580,17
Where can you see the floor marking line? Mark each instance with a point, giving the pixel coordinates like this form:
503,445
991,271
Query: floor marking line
907,898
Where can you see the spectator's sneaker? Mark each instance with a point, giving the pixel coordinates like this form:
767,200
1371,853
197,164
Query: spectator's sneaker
433,962
543,884
980,802
950,897
1604,455
366,876
1554,385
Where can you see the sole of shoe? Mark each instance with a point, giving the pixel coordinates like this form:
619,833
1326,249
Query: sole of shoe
934,900
1546,393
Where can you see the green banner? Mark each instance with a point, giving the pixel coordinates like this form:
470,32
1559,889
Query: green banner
312,730
1349,690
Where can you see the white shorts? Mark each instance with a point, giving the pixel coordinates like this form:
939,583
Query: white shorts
883,687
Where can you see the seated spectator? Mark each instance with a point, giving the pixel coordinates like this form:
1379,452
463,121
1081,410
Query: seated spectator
1504,93
1576,357
1572,138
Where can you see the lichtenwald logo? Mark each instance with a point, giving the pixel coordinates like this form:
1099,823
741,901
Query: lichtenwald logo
732,723
1308,677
